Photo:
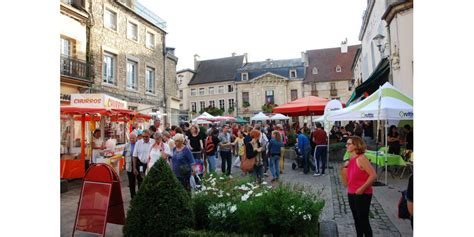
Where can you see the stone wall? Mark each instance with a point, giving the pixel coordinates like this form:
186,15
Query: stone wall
116,42
324,90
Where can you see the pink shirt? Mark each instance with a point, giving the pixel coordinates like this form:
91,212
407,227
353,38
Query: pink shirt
356,177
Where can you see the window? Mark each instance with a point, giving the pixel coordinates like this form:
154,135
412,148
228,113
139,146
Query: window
211,90
230,88
132,77
193,107
201,91
193,92
245,97
150,40
221,89
180,94
269,97
244,76
231,103
315,70
132,31
222,104
294,95
212,103
108,68
293,73
202,104
150,80
66,47
110,19
338,68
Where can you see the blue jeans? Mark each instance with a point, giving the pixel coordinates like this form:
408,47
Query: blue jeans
211,160
306,162
275,166
321,158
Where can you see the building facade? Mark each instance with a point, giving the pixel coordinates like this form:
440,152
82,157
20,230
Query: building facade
268,82
328,72
127,48
75,70
399,19
182,79
213,84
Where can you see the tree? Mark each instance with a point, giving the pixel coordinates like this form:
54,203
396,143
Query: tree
161,207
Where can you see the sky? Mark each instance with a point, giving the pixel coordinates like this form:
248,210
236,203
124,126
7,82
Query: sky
261,28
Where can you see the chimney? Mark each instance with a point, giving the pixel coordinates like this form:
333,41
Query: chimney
196,61
304,59
344,46
233,54
245,58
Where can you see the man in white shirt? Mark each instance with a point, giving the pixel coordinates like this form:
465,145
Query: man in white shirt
140,155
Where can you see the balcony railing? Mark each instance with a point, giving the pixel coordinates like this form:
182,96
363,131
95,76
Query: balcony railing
144,12
76,68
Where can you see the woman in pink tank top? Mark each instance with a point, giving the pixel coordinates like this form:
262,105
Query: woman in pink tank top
359,179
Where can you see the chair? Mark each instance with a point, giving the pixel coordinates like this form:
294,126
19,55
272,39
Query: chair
409,163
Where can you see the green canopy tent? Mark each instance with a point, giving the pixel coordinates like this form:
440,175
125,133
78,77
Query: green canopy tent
240,120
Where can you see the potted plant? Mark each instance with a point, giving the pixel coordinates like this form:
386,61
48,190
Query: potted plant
268,107
230,110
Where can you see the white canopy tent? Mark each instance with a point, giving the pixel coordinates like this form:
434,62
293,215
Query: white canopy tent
279,117
259,117
387,103
200,121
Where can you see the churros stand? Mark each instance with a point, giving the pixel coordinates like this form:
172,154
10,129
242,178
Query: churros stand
78,122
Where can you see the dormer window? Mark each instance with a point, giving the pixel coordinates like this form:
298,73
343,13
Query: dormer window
315,70
292,73
338,68
244,76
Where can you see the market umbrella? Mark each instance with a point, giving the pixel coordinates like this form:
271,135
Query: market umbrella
279,117
224,118
205,116
259,117
309,105
240,120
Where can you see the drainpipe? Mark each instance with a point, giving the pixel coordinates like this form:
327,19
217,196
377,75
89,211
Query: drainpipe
164,77
389,57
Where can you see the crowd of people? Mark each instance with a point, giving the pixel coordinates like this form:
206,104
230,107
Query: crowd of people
192,151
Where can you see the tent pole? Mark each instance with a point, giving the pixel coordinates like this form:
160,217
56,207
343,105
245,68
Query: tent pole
386,147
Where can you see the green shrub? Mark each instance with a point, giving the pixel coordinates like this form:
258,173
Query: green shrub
161,207
238,206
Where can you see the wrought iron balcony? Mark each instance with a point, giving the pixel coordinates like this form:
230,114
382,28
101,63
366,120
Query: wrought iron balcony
76,68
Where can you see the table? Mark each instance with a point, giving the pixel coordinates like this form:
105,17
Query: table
396,160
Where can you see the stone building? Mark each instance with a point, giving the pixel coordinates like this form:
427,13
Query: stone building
75,69
183,78
131,61
213,84
328,72
271,81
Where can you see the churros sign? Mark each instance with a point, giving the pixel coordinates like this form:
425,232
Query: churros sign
97,100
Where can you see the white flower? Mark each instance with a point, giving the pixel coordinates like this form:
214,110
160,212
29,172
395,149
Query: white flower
304,217
221,178
228,194
244,197
220,195
264,182
258,195
250,192
233,209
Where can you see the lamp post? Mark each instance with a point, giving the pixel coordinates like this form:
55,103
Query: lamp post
382,45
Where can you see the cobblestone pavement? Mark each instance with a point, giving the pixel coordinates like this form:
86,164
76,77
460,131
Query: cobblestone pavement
383,208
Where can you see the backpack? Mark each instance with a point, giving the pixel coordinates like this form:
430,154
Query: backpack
209,144
403,206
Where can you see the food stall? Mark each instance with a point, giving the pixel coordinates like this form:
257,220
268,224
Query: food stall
78,122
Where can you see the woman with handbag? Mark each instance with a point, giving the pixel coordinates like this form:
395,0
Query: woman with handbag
359,175
182,161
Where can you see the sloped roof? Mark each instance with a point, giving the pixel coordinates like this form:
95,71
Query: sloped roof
326,61
277,67
217,70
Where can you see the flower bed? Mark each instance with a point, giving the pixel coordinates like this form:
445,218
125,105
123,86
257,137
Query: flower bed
237,206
